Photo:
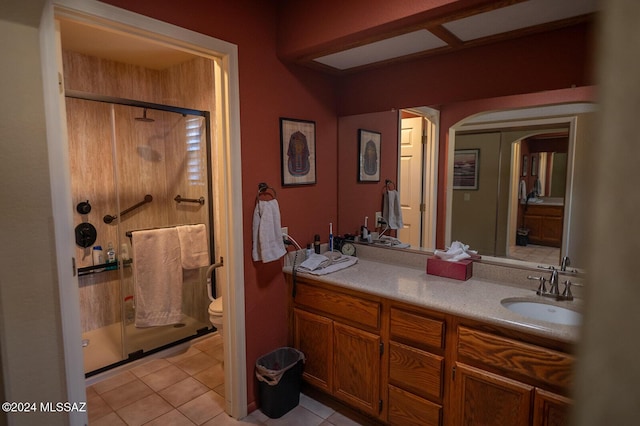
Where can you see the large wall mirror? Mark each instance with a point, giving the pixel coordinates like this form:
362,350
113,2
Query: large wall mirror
529,173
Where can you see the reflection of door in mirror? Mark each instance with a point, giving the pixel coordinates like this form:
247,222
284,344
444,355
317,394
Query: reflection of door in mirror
416,176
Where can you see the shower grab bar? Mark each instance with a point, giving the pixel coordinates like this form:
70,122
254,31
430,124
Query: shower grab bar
179,200
147,199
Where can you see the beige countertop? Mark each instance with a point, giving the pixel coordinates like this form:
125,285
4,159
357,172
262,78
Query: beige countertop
476,298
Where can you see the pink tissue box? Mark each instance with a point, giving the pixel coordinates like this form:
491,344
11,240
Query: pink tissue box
460,270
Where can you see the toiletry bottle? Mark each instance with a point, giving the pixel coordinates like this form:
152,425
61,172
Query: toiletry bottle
331,237
111,257
316,243
129,310
124,252
364,231
98,257
309,250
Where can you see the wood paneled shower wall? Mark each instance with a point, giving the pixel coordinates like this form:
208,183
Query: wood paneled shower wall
151,159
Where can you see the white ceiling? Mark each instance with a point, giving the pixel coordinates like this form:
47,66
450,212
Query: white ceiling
516,17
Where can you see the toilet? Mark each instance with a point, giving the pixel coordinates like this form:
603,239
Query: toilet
215,307
215,315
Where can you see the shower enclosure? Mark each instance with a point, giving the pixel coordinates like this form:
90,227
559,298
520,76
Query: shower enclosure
134,166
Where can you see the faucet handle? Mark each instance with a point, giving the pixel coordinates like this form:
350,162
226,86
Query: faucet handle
542,289
566,294
565,262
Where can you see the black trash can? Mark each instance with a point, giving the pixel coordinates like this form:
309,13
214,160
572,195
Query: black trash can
522,237
279,374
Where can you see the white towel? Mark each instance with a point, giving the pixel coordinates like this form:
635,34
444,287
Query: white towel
391,210
318,264
267,232
194,246
157,272
457,251
538,187
522,192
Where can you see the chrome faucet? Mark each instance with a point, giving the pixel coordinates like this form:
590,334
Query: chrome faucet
553,288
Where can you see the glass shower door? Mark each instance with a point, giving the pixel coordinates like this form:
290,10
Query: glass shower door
134,166
161,155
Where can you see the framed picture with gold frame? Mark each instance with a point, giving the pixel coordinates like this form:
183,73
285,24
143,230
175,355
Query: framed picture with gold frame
298,151
369,155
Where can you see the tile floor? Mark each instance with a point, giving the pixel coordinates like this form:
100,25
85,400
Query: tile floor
187,389
535,253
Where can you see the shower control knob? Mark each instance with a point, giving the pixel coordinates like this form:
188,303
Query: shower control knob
83,207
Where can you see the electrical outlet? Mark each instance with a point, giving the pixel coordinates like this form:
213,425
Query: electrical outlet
378,218
285,230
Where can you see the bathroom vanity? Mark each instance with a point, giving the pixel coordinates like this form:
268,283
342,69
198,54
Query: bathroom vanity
405,347
544,222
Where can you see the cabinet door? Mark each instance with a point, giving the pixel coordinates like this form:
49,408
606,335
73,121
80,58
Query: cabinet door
483,398
313,335
357,367
534,224
550,409
551,230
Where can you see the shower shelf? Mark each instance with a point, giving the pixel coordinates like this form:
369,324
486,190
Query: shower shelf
92,269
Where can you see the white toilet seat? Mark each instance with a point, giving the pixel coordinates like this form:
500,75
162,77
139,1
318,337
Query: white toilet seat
215,307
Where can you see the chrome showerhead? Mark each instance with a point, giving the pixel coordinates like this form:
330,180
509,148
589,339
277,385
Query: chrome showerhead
145,118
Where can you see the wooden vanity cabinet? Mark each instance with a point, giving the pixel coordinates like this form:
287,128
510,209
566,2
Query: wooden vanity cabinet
416,366
406,365
339,333
500,380
545,224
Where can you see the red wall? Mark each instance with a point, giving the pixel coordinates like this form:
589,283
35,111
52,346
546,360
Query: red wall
556,60
360,199
268,90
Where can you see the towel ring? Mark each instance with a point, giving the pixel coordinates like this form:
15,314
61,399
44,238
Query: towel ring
263,189
388,183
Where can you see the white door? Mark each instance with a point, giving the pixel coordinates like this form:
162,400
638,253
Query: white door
410,179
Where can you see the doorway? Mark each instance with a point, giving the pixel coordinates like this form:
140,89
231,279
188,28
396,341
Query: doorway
225,166
417,175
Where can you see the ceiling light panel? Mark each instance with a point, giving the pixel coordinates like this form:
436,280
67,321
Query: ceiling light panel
518,16
382,50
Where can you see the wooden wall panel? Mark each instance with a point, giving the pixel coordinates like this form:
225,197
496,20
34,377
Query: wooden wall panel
151,158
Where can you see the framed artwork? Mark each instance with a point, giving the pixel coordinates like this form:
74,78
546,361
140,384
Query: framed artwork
465,169
369,156
298,151
525,165
534,165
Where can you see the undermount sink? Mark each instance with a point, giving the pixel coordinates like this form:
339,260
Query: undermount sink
542,311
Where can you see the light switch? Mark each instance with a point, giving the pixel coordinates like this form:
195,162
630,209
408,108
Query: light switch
467,196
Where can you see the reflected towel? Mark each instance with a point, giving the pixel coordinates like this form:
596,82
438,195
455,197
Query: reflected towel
194,246
522,192
538,187
391,210
157,273
267,232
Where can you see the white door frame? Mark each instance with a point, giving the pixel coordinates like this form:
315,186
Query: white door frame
228,184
